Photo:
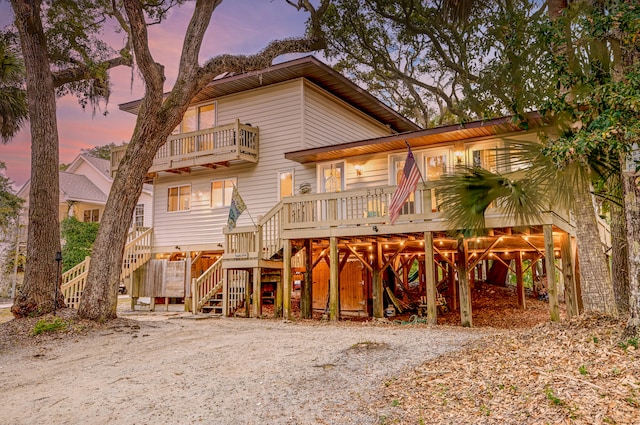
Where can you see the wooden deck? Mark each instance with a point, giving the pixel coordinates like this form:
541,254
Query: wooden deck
209,148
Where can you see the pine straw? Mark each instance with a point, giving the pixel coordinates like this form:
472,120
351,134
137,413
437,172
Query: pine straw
575,372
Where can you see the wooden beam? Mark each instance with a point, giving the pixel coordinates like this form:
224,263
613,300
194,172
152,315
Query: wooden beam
257,292
568,276
376,289
334,287
359,257
484,253
395,254
463,284
286,280
430,278
344,260
554,309
306,292
520,281
247,297
444,256
322,255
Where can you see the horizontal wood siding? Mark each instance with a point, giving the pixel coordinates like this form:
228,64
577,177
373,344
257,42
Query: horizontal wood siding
329,121
276,111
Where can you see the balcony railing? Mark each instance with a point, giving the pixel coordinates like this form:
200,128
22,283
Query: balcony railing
207,147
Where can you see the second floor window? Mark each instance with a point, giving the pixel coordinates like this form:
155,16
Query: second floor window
221,192
197,118
179,198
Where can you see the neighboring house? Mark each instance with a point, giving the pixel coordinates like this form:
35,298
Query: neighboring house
84,189
316,160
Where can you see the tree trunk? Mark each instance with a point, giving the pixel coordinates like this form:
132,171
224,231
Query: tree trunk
597,291
632,213
619,258
41,274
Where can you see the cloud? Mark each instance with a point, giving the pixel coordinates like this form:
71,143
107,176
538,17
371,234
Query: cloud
237,27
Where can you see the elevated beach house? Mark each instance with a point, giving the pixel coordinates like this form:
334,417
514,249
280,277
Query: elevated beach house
316,159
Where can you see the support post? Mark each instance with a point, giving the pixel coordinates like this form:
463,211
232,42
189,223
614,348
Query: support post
376,284
286,280
568,276
463,281
306,293
225,293
549,256
334,273
257,293
247,296
520,281
187,301
278,312
430,279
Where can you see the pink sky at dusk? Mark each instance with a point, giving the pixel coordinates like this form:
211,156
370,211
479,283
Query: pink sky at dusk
237,27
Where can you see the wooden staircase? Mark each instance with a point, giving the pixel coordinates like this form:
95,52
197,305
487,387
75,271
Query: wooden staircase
137,251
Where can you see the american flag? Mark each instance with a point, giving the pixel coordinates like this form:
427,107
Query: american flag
407,185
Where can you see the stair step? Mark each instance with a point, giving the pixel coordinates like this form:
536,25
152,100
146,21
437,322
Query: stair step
212,309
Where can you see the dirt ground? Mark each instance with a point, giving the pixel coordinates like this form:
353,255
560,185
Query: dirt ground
222,371
167,367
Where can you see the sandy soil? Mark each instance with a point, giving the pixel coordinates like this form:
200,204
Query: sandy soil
223,371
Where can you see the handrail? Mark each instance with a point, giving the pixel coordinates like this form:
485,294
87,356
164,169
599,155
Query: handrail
136,253
73,282
206,286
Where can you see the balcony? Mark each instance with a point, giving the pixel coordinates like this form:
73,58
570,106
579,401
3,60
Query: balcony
209,148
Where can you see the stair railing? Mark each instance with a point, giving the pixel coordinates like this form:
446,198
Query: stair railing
73,281
136,252
203,288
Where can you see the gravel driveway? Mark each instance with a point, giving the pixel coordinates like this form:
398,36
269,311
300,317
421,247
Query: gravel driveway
216,371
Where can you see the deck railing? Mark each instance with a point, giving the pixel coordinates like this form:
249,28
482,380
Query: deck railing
262,241
221,143
357,207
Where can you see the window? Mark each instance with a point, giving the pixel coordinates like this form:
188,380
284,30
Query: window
285,183
331,177
197,118
436,163
91,216
221,192
138,216
179,198
397,167
484,156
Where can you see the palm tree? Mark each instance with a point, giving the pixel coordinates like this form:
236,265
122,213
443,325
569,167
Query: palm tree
13,102
526,193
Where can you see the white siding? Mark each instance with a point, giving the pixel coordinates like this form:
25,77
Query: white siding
329,121
279,114
276,111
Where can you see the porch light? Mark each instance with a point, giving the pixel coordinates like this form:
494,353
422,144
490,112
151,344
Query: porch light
458,156
359,169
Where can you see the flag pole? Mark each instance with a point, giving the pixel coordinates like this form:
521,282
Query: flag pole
406,142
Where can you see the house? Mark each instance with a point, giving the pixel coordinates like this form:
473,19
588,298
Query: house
84,189
316,159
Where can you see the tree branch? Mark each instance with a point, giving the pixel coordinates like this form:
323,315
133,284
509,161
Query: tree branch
83,71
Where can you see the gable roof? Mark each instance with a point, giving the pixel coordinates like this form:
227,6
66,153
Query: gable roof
417,139
75,187
313,70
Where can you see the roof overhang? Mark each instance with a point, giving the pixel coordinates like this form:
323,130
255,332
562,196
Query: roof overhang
313,70
418,139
